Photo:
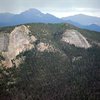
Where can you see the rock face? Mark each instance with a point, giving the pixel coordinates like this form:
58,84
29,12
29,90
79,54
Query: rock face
75,38
4,40
45,46
19,41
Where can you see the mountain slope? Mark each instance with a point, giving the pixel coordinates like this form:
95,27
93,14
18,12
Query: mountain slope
22,37
29,16
53,69
92,27
36,16
83,19
5,18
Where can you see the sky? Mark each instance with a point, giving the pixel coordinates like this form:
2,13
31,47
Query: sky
59,8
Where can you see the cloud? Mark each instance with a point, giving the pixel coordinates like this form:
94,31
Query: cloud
51,6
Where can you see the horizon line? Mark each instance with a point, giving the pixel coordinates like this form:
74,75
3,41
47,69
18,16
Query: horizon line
72,14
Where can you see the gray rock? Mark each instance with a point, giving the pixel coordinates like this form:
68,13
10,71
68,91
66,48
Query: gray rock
4,41
76,38
19,41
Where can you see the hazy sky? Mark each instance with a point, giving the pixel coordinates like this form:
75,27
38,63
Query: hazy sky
59,8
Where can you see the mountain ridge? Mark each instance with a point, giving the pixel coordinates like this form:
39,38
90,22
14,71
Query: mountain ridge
36,16
83,19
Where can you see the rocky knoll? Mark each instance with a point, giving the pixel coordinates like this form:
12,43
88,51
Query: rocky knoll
76,38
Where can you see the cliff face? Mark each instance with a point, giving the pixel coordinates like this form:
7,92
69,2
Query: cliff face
75,38
19,41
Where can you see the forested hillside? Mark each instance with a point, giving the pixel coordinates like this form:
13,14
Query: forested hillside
60,72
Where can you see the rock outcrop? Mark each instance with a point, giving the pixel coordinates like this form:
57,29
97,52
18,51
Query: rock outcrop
76,38
45,47
19,41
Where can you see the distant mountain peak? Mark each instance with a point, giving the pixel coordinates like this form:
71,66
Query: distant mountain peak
83,19
47,14
31,11
81,15
34,15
